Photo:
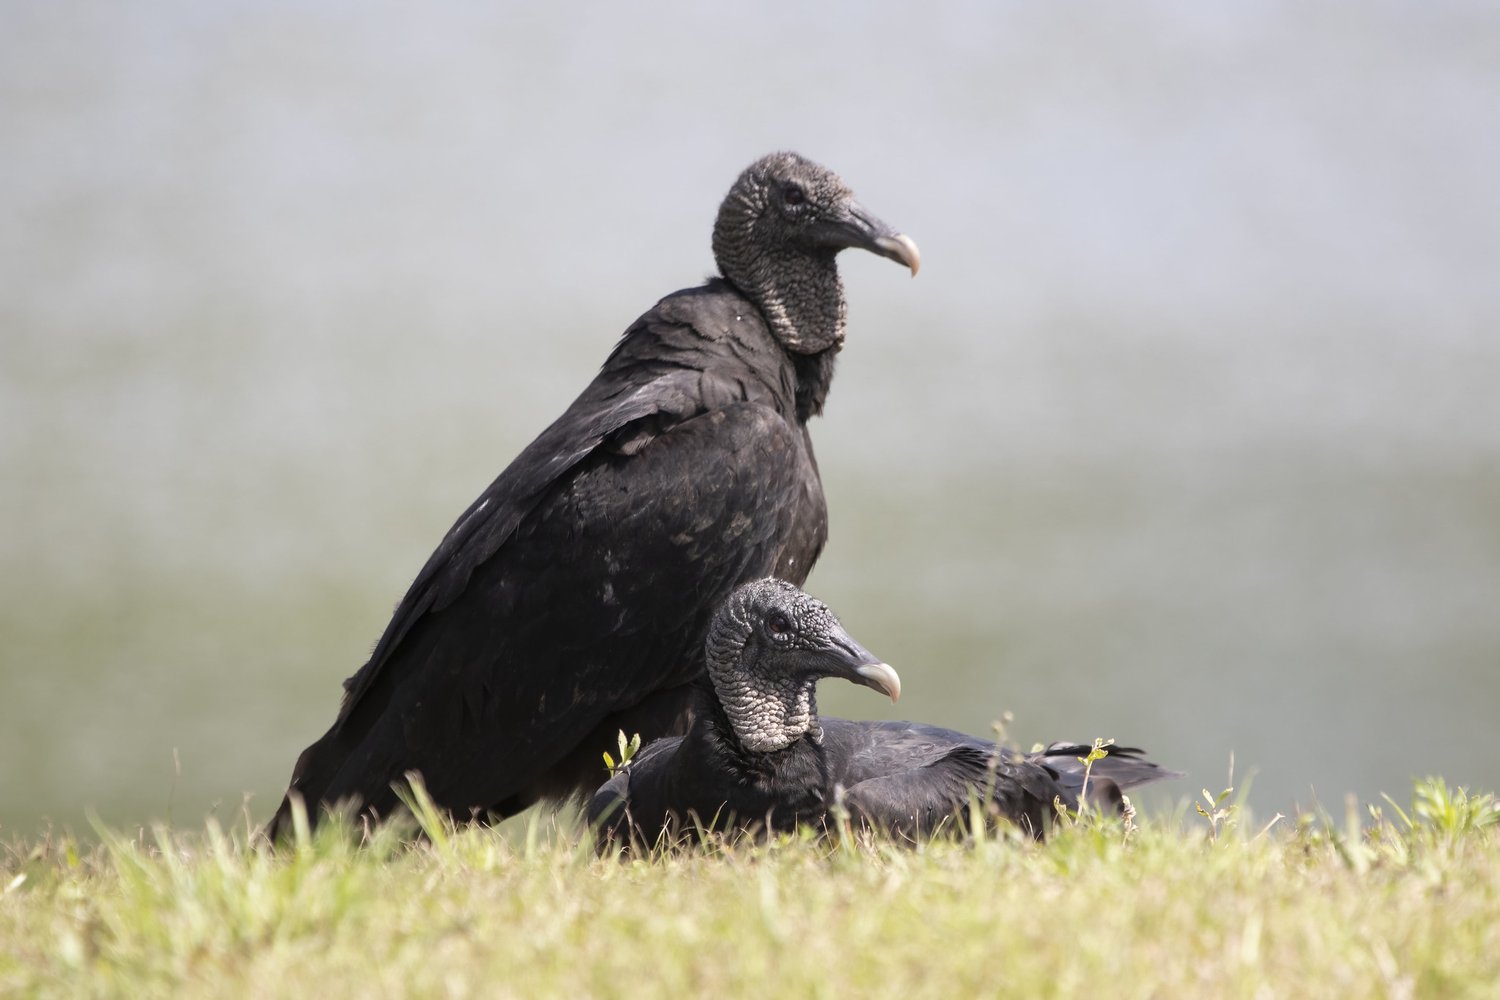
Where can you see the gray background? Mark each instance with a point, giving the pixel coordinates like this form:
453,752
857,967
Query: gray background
1187,433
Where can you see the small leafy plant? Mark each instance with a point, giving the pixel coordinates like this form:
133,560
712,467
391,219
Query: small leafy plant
628,750
1215,812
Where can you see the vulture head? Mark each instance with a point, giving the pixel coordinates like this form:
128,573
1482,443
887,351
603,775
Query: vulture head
777,234
768,645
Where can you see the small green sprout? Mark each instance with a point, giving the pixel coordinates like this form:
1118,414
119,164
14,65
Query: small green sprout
628,750
1217,812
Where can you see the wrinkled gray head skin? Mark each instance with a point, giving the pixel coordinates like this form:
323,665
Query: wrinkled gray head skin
768,645
777,234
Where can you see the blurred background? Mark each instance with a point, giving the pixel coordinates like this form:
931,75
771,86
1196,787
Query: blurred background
1188,434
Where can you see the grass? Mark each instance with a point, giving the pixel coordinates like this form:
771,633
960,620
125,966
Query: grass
1396,901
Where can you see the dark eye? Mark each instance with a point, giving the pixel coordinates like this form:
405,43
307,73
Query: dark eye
793,194
777,624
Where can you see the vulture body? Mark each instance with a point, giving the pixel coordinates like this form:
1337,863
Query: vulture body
570,600
906,779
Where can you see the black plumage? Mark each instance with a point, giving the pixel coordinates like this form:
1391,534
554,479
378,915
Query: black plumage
758,757
569,601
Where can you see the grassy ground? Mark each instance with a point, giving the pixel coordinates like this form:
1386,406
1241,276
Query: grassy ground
1404,903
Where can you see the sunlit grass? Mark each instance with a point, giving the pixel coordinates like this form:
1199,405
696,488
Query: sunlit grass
1390,901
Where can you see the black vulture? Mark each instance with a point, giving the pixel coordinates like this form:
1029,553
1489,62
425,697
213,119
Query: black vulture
570,600
758,757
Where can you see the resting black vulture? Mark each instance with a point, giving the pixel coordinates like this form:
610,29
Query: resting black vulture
569,601
757,756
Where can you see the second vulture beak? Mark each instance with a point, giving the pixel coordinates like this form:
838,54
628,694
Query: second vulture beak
854,662
900,248
882,677
858,228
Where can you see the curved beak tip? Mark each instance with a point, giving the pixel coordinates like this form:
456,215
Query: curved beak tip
902,248
883,677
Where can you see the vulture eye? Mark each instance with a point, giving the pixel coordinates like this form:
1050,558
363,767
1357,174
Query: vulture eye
777,624
793,194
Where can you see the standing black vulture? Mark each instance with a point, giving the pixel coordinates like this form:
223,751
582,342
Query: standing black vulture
569,601
758,756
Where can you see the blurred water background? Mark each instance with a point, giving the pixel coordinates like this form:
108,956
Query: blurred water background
1187,434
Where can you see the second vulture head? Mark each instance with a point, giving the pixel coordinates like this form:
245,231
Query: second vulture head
776,236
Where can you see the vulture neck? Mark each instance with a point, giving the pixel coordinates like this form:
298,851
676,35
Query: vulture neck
800,294
802,297
766,721
765,716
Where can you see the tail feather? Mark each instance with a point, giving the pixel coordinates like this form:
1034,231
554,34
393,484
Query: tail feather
317,770
1108,777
